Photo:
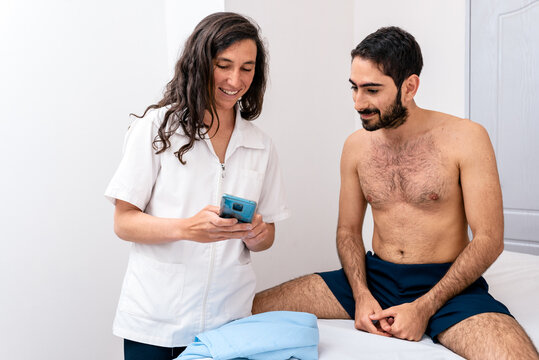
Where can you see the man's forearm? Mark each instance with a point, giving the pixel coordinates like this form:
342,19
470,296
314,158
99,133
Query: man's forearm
352,255
467,268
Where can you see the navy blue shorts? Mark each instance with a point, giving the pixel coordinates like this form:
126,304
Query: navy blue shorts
394,284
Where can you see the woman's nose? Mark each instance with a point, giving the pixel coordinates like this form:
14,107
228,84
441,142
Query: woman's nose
234,79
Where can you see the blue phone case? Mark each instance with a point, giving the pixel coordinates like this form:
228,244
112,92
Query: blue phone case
236,207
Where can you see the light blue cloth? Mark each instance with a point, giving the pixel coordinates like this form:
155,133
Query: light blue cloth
276,335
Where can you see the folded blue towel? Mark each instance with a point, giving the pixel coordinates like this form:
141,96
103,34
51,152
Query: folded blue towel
276,335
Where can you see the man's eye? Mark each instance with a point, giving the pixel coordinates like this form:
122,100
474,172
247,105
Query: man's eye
372,91
353,87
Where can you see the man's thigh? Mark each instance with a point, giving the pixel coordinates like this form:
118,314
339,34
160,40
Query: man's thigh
308,294
489,336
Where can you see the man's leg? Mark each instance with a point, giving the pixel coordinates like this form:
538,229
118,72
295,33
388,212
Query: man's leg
308,294
489,336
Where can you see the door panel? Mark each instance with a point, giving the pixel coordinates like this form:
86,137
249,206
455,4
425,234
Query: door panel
504,97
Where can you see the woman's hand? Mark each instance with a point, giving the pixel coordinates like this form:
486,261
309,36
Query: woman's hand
206,226
261,236
131,224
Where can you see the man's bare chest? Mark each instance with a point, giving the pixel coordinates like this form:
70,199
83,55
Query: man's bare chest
414,172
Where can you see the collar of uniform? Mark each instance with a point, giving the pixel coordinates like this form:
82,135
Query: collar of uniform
244,135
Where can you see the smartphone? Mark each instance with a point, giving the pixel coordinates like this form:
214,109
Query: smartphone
236,207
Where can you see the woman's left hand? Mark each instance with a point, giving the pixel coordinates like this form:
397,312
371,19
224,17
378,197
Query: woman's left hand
261,235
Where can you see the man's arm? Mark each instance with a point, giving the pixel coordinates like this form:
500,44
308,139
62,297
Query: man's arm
484,211
352,206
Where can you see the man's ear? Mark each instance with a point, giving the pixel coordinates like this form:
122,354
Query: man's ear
409,88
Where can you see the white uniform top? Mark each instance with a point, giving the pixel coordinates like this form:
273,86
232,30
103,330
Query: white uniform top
173,291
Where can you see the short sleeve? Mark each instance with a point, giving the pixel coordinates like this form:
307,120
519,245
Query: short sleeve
134,179
272,202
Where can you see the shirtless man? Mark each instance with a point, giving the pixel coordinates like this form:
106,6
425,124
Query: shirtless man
427,176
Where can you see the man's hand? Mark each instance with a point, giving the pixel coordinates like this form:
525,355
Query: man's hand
408,321
367,306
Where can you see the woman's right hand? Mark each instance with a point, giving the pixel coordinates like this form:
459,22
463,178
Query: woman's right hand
131,224
206,226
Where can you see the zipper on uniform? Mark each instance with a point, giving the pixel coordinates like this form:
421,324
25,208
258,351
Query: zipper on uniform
208,280
220,183
212,252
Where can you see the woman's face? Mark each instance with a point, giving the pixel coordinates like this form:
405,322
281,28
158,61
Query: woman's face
233,72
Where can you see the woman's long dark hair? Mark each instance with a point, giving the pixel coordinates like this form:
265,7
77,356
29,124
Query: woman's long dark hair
191,92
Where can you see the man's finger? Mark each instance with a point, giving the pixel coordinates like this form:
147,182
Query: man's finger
385,324
369,327
379,331
382,331
382,314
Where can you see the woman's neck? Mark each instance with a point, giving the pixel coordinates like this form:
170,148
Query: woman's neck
227,120
220,136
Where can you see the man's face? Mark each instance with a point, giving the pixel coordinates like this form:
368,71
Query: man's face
376,98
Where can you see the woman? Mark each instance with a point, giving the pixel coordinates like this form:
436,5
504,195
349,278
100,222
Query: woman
189,270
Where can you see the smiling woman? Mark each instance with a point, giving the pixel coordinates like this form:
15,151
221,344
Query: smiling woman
189,269
233,73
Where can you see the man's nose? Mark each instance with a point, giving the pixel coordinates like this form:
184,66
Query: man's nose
360,103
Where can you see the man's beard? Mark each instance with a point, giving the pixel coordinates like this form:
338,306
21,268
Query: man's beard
394,117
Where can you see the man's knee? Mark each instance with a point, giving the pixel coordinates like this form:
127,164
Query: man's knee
489,335
283,296
307,293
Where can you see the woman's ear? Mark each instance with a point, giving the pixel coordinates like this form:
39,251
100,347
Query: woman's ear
409,88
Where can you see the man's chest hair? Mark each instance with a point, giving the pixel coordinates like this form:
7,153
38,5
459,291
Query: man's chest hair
411,171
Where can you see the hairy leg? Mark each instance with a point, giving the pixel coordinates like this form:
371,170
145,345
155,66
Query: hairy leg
489,336
308,294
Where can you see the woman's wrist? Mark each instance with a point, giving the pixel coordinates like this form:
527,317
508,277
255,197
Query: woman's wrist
180,229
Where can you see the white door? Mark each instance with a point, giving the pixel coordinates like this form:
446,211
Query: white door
504,97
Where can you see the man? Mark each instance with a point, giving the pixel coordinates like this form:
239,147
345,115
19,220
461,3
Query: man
427,176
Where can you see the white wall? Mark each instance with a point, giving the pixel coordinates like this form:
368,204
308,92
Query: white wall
307,113
71,72
181,17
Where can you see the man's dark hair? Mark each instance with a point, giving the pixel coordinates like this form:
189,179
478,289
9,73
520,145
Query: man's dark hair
190,93
394,50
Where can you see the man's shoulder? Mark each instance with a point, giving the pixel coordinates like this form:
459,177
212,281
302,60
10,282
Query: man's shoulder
452,121
357,139
457,128
459,136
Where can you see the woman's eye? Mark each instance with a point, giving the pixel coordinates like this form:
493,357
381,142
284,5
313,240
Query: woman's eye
221,66
247,69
